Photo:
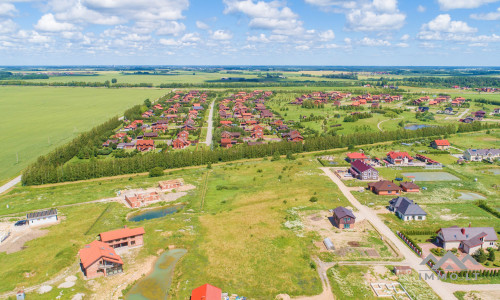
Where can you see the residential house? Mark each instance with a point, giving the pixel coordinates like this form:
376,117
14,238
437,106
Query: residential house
479,114
480,154
99,259
183,135
43,217
440,144
406,209
399,158
124,237
384,187
226,143
257,132
180,143
363,171
409,187
343,218
468,239
206,292
294,136
145,145
351,157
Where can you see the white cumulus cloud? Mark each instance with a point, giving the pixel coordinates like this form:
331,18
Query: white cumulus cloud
222,35
456,4
48,23
491,16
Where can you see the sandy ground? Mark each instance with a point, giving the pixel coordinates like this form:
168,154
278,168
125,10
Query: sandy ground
481,295
19,236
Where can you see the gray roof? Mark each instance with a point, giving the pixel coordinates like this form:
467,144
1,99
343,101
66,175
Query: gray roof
408,208
456,233
484,152
476,240
341,212
42,214
395,202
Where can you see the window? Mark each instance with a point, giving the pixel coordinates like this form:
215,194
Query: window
132,243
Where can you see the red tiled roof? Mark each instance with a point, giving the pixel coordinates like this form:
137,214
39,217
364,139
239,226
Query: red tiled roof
95,250
121,233
395,155
206,292
442,142
145,143
356,155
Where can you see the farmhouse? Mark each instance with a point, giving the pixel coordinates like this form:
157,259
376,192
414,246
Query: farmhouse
206,292
362,171
480,154
145,145
343,218
170,184
124,237
409,187
399,158
43,217
406,210
384,187
99,259
467,239
440,144
141,199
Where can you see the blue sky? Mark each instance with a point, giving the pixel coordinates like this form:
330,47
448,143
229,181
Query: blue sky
250,32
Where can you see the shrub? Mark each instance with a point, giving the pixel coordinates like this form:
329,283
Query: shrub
314,199
491,256
156,172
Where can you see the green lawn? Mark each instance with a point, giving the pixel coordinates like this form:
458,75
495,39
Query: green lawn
35,120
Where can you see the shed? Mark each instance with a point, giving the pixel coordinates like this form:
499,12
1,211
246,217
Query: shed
400,270
20,295
42,217
328,244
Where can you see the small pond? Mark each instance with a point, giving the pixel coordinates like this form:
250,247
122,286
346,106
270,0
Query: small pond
416,126
157,284
470,196
155,213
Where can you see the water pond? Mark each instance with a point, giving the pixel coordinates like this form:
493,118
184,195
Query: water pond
156,285
416,126
155,213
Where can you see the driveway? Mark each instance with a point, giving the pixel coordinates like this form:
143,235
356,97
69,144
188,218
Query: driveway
441,289
10,184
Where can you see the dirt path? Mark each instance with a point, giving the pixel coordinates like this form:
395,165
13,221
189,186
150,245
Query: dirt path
378,125
4,188
412,259
322,268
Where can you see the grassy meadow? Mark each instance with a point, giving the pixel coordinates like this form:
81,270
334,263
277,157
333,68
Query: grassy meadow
35,120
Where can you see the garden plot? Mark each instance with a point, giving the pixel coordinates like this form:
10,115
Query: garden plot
431,176
360,241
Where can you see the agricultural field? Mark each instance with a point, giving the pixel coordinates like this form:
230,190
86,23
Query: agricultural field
35,120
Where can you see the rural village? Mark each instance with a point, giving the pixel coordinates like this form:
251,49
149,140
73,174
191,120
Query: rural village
362,192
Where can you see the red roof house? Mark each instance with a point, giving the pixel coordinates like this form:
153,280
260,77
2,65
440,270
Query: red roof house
124,237
206,292
180,143
99,259
399,158
145,145
356,156
440,144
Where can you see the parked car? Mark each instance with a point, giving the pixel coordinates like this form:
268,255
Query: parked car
21,223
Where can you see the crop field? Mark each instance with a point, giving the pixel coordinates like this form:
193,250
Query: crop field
35,120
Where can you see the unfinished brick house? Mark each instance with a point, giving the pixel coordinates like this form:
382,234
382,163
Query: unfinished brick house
141,199
170,184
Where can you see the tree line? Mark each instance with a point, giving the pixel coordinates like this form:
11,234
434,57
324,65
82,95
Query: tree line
51,168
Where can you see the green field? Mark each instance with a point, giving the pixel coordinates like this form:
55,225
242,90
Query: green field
35,120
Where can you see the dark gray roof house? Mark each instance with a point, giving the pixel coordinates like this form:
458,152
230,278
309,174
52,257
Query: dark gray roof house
469,239
406,209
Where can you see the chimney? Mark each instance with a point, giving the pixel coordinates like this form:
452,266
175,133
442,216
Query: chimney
125,226
463,230
470,224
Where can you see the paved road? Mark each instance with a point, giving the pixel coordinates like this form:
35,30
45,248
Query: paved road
208,141
441,289
10,184
463,114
